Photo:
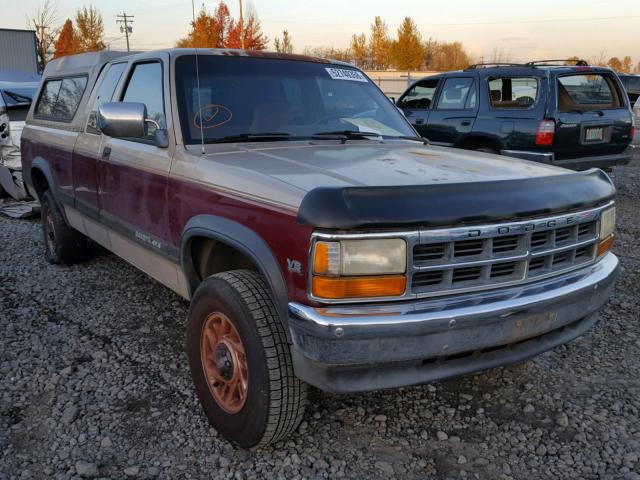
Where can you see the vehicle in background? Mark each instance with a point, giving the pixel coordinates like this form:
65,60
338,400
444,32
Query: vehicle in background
16,95
574,116
318,239
636,117
631,84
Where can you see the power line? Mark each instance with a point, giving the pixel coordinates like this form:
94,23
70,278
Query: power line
125,20
505,22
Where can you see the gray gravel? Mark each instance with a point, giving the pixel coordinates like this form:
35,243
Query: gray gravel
94,383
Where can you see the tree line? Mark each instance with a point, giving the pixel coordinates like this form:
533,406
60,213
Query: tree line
377,50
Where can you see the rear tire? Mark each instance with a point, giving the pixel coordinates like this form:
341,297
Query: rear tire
240,360
62,244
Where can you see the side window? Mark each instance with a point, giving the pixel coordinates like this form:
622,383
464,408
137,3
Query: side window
107,86
420,96
60,98
513,92
145,86
48,98
454,94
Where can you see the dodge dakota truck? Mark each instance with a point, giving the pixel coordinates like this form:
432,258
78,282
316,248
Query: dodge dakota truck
319,240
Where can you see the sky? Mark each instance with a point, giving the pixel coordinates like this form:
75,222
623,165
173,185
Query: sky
519,30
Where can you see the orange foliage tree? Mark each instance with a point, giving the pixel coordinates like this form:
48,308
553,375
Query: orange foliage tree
67,42
220,30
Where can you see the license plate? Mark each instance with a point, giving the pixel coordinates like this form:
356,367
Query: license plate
594,135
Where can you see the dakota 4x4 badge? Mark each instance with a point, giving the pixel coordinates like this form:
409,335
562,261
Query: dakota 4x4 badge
346,74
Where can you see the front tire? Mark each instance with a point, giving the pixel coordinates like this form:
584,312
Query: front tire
240,360
62,243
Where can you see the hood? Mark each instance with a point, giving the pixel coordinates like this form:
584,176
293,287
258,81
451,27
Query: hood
364,184
362,163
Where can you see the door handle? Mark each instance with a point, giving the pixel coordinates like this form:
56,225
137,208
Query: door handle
419,121
106,152
466,123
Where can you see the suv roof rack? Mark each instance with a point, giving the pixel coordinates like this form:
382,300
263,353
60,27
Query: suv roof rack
476,66
554,62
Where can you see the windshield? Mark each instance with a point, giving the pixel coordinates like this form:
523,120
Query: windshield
251,97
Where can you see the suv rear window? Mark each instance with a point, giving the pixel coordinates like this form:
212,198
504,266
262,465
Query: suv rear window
587,91
510,93
60,98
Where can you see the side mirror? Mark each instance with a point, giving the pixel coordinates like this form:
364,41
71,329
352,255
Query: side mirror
128,120
122,119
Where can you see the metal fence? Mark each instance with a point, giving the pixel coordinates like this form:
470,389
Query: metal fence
393,84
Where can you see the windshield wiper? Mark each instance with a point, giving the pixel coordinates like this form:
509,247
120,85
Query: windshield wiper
250,137
422,140
344,135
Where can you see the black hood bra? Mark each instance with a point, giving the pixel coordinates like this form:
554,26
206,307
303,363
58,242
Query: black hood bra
453,204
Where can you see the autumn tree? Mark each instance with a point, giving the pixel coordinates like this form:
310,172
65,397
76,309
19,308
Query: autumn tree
443,56
43,22
379,44
254,39
407,50
359,51
220,30
614,63
285,45
90,30
203,34
627,64
67,42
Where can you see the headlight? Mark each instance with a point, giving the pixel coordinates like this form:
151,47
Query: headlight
607,226
607,222
359,268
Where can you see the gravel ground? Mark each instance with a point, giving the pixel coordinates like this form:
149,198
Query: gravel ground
94,382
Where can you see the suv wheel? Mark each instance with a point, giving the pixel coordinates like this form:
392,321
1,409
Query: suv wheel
62,244
240,360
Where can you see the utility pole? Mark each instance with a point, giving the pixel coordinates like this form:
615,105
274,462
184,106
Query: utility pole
126,20
193,10
241,27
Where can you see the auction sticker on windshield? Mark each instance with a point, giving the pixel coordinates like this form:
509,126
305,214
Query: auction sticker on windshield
345,74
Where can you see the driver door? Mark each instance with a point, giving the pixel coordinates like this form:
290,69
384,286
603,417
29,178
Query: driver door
134,172
417,103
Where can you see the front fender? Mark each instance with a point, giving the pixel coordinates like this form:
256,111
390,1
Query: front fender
244,240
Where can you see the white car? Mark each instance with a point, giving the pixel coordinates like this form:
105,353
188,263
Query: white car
15,101
636,119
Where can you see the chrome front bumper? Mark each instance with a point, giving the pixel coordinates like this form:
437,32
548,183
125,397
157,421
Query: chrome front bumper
366,347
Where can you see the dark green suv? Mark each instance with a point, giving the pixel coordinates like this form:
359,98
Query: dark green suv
575,116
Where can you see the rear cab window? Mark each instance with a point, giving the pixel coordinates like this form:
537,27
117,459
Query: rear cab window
588,91
513,93
60,98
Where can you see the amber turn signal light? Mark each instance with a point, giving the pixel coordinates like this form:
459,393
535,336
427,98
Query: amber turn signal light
358,287
605,245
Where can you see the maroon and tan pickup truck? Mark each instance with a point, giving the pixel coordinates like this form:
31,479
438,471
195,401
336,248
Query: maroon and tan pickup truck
319,240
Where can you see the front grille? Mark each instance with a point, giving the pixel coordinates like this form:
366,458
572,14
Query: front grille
448,260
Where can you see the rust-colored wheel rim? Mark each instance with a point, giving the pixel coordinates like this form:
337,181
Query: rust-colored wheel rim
50,233
224,362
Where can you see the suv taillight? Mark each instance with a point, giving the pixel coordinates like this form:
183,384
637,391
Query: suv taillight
633,126
545,133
